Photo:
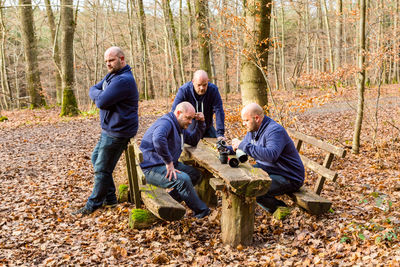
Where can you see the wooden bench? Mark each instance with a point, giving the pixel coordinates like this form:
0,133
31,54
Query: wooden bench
240,186
157,200
309,199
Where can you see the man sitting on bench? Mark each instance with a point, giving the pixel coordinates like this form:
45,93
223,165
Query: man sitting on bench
270,145
162,145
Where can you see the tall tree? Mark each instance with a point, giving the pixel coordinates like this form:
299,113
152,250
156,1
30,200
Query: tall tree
148,83
255,59
203,37
339,33
69,104
34,85
56,50
5,88
360,79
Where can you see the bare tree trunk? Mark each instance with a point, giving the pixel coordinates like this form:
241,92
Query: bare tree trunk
149,88
276,46
308,42
56,51
202,35
174,39
360,79
168,33
224,55
32,69
339,33
5,88
254,64
180,43
328,32
283,63
69,105
190,33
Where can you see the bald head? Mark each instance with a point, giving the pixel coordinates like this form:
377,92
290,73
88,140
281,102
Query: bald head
115,50
200,82
184,113
115,59
252,116
253,109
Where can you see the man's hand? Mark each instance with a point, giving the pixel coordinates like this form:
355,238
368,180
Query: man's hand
199,116
235,143
171,171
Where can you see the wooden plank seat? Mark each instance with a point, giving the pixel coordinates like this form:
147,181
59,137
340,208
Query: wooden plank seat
310,199
157,200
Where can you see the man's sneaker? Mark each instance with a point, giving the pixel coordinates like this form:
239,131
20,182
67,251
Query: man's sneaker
84,211
203,214
110,204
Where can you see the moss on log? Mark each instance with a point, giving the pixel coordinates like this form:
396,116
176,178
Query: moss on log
281,213
123,193
140,219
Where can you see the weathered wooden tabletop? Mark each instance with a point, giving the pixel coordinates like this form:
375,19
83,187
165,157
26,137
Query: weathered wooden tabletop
245,180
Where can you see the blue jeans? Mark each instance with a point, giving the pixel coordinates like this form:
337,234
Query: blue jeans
279,186
104,159
183,186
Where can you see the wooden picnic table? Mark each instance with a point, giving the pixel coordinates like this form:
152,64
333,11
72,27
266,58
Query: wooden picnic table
240,187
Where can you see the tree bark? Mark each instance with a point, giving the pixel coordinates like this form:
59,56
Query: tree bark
56,51
328,33
149,88
190,33
34,85
69,104
255,58
203,37
5,88
360,79
339,33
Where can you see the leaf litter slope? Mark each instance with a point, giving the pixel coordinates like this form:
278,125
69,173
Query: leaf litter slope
45,173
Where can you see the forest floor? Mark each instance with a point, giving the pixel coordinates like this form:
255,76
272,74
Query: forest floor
46,173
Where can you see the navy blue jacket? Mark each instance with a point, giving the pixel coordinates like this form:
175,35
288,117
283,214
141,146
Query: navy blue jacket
273,149
117,98
209,103
162,142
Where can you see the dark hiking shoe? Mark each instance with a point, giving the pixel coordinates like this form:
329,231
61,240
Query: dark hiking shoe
203,214
84,211
110,204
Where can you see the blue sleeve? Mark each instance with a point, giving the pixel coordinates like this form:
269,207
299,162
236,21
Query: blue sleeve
275,143
193,137
116,91
160,142
180,97
219,114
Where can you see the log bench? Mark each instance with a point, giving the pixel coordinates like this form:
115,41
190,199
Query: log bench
310,199
157,200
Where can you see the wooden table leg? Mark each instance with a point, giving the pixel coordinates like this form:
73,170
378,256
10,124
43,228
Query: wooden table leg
237,219
205,191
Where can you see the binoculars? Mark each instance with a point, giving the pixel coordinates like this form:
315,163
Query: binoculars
233,161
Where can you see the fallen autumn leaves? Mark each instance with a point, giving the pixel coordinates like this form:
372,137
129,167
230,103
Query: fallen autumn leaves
45,173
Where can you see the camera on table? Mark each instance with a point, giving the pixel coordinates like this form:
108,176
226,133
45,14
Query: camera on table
234,161
223,151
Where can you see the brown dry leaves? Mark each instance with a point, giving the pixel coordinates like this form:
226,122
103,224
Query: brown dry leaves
45,173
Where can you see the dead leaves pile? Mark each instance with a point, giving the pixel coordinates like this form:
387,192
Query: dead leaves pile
46,173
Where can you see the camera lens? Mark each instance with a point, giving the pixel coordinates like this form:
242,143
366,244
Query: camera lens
223,157
233,162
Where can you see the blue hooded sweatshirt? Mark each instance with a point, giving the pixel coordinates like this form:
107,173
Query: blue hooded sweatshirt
273,149
117,98
162,143
209,103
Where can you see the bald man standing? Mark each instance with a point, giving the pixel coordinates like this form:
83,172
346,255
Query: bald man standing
162,145
270,145
117,98
206,99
